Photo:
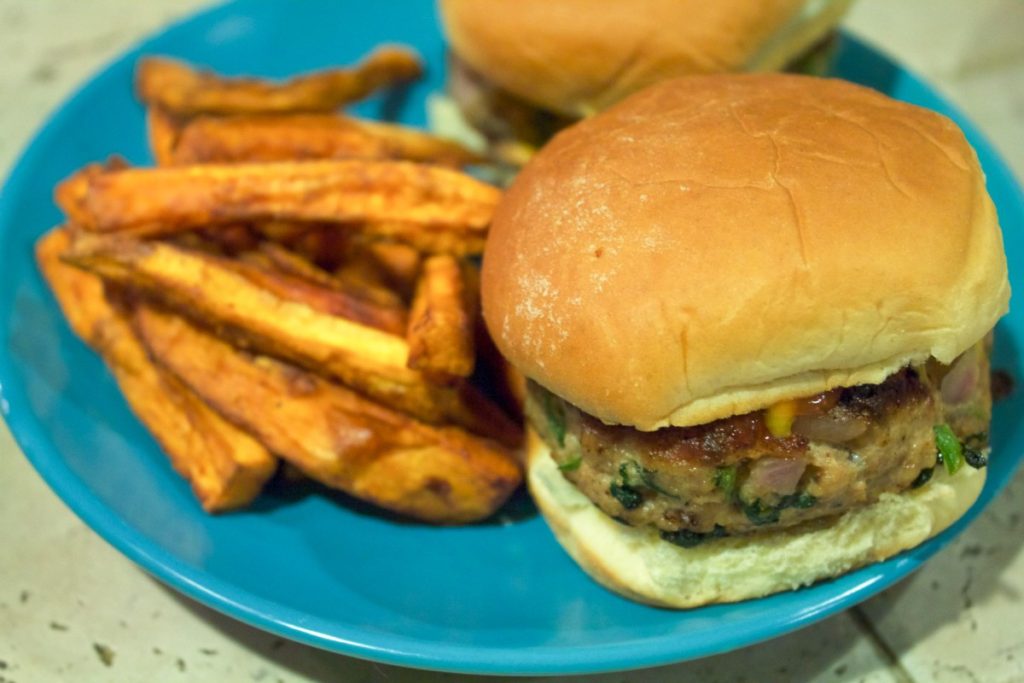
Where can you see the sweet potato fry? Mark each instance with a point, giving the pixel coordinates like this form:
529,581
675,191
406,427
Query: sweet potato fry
379,265
163,130
432,239
415,145
155,201
440,332
71,192
330,300
291,263
79,294
284,232
224,465
322,244
227,139
368,360
294,264
230,239
276,138
398,264
333,435
178,88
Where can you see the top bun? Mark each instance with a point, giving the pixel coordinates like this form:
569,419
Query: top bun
714,244
576,57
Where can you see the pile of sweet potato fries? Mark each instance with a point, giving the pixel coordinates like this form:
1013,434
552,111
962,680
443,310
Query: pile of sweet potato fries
293,284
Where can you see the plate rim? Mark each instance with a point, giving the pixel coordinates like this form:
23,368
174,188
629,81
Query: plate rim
33,440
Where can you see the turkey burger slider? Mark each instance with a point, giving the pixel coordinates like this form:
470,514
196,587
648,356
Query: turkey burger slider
521,70
754,313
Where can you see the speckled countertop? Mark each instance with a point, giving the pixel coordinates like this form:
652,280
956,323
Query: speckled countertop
73,609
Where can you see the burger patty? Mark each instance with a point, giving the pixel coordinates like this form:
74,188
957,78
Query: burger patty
498,114
835,451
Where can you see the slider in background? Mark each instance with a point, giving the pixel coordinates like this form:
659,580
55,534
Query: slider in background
521,71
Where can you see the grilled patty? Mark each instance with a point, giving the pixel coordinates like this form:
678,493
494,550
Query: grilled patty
737,475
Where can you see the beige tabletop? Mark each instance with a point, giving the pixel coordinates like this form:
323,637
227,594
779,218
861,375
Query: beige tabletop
73,609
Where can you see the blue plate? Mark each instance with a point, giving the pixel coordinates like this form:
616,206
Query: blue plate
317,567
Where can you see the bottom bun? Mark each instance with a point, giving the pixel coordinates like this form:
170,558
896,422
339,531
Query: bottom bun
638,564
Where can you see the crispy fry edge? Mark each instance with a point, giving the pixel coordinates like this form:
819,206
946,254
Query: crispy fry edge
225,466
436,474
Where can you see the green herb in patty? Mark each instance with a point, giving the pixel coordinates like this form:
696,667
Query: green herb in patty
760,513
688,539
950,450
555,412
625,491
572,464
725,480
627,496
632,474
636,475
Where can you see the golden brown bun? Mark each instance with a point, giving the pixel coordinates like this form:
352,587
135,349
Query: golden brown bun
579,56
637,563
714,244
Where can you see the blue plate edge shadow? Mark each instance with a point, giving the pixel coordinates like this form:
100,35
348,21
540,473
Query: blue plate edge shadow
31,436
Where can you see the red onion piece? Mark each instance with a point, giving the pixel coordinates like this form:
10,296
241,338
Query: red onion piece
776,475
961,382
829,428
